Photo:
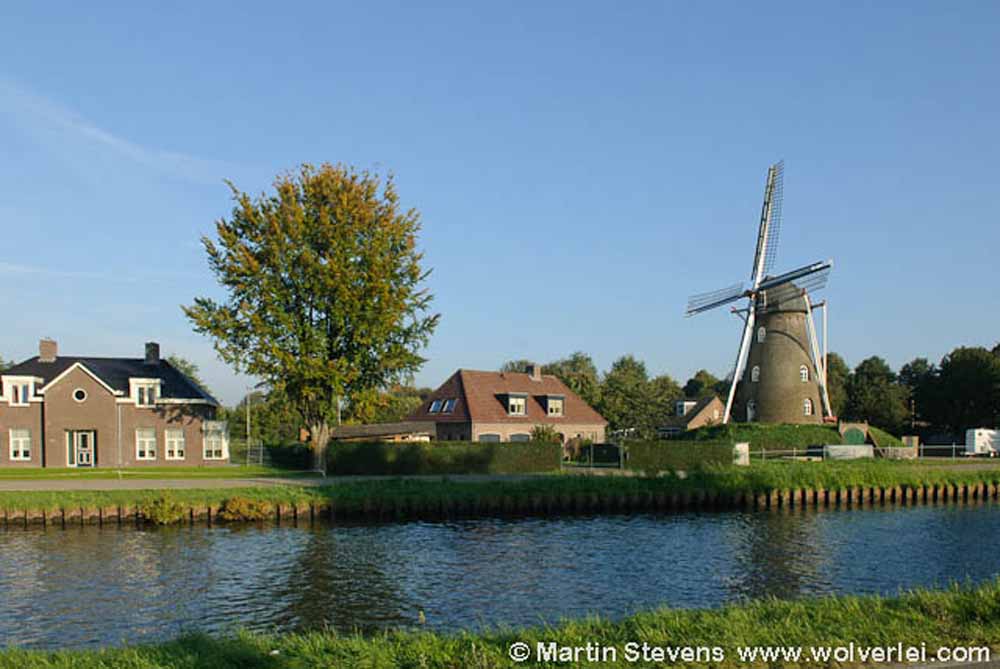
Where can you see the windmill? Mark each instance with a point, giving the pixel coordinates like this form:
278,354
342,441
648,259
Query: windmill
787,374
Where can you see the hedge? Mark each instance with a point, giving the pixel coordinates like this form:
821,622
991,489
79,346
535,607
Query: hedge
291,456
653,457
443,457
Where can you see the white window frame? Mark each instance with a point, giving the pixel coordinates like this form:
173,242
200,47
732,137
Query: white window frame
755,374
435,406
149,443
761,334
174,442
517,401
140,390
19,390
20,440
551,403
803,374
209,429
79,390
807,407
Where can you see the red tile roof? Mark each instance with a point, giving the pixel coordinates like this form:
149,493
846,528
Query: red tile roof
481,398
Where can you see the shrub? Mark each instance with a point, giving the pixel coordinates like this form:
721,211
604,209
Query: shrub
292,455
780,436
450,457
654,457
243,508
545,434
163,511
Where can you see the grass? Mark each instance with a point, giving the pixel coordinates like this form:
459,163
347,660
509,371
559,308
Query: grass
956,616
781,436
369,496
227,471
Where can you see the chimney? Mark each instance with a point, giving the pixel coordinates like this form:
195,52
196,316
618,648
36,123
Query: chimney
47,350
534,370
152,353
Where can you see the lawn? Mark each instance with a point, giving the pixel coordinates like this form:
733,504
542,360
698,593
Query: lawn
959,616
226,471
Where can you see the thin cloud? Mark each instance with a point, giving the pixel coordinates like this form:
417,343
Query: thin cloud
35,110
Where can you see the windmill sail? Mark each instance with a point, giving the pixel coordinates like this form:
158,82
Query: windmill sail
716,298
770,223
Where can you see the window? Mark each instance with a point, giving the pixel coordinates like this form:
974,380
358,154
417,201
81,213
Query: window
807,407
449,406
20,445
492,438
517,406
145,443
22,394
804,374
80,395
520,437
215,441
175,444
145,394
761,334
755,374
555,406
435,406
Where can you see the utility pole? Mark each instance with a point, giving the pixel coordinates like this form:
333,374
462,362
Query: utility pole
248,400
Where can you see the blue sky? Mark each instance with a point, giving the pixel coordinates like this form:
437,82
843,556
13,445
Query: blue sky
580,168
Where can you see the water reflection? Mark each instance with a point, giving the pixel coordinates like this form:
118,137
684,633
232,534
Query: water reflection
93,586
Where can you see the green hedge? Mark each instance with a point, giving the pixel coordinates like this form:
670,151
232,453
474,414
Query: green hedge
442,457
653,457
777,437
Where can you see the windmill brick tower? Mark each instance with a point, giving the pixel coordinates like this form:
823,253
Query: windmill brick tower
780,374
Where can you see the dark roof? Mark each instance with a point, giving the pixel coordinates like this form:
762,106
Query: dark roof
481,398
115,372
381,430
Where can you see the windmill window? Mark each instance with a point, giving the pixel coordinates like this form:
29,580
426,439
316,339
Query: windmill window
807,407
751,410
761,334
755,374
804,374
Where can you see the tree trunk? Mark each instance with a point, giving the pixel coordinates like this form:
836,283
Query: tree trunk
320,440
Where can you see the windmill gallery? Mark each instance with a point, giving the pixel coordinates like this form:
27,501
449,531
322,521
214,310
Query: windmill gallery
780,370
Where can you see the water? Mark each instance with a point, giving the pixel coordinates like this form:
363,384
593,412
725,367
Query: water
99,586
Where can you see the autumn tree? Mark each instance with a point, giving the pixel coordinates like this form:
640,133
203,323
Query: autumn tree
324,291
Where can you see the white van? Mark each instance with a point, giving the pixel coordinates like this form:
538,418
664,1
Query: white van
980,441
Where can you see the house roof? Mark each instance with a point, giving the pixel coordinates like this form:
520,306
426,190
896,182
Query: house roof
381,429
685,420
116,372
481,396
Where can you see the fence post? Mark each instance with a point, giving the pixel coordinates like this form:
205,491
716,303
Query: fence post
763,454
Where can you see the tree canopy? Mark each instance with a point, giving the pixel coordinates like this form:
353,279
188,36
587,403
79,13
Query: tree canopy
324,291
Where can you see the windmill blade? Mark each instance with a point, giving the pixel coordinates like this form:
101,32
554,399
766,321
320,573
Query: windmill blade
741,361
800,276
809,284
770,223
716,298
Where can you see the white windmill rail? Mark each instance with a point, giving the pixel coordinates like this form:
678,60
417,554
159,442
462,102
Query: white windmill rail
814,350
740,359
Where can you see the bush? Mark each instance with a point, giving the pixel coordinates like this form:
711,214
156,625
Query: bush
653,457
242,508
163,511
448,457
292,455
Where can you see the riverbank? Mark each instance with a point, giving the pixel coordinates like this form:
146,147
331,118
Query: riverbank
959,617
761,486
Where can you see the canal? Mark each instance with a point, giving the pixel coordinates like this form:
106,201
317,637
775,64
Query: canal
90,586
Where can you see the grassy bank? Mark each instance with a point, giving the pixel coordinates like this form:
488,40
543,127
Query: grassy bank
957,616
206,472
405,498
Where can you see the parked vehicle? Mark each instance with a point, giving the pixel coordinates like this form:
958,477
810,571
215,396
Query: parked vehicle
981,441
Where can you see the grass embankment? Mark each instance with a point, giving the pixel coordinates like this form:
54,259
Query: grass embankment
405,498
958,616
781,437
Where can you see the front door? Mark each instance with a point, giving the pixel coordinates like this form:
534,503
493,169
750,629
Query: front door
80,447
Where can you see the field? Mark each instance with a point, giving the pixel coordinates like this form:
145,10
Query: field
958,616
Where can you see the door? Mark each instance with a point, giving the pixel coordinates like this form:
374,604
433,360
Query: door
80,445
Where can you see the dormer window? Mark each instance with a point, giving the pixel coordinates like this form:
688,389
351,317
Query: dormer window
19,390
449,405
436,406
554,405
145,394
517,405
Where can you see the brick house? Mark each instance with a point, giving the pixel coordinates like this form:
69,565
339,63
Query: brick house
505,406
63,411
692,414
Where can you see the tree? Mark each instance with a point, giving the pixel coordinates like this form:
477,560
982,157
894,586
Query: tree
273,419
664,393
837,374
873,394
702,384
625,397
188,369
966,392
515,365
399,402
919,377
325,298
579,374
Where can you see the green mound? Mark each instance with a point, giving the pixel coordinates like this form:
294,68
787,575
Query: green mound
781,436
